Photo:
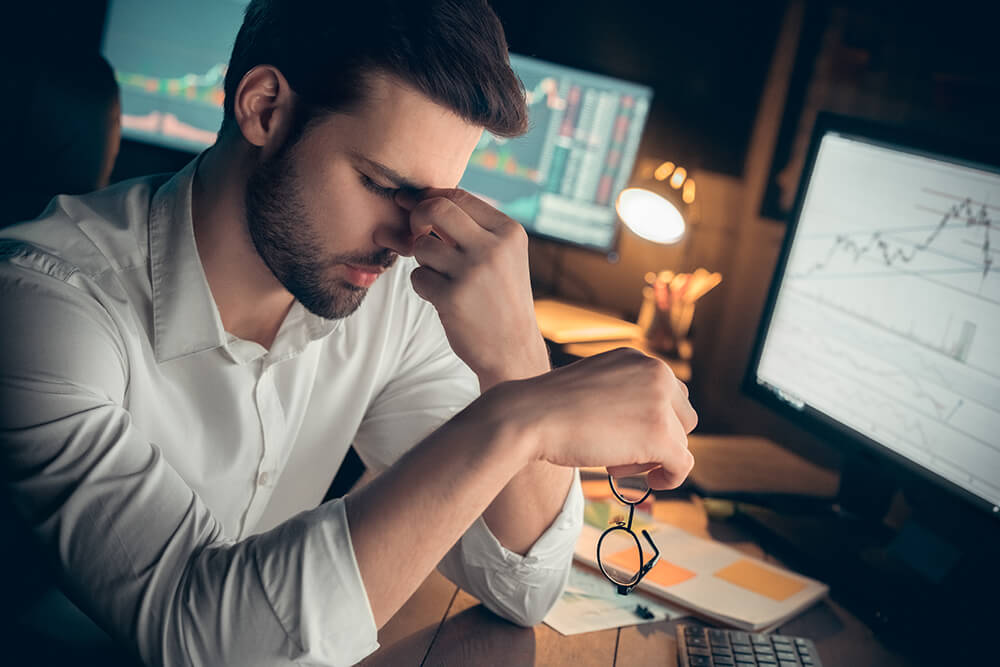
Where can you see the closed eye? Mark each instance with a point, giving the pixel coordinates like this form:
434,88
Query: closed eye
381,191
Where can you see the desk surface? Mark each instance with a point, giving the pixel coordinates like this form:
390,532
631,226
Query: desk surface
442,625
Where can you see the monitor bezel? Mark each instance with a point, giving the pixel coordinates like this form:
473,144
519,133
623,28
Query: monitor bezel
914,141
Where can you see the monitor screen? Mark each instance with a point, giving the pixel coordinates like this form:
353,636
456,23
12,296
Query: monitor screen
884,316
560,180
170,61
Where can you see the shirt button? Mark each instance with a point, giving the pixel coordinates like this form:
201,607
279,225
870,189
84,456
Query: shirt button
263,479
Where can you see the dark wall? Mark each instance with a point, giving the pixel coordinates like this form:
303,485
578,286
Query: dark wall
705,61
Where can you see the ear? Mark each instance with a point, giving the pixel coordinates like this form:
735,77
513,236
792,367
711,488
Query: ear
263,106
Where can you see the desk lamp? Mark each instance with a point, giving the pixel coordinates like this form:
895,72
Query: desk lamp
655,211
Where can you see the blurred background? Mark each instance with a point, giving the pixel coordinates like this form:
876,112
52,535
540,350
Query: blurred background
735,87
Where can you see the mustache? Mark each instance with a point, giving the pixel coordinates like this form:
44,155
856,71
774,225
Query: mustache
384,258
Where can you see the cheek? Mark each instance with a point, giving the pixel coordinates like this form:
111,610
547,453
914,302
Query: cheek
345,218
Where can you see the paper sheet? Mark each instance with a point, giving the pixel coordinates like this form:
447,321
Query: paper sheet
708,577
591,603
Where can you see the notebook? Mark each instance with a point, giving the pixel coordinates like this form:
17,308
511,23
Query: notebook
702,576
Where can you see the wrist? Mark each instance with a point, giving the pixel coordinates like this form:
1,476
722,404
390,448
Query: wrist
533,361
507,413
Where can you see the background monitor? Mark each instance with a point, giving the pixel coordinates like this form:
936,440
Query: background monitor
170,61
883,321
560,180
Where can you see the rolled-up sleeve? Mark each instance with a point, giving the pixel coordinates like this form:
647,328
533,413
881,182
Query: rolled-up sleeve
519,588
138,550
430,385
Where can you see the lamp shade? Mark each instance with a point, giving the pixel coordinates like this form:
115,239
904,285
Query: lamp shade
650,215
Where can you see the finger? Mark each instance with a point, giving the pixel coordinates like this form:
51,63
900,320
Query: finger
430,285
408,199
399,242
685,412
485,215
447,219
436,254
672,477
631,469
684,389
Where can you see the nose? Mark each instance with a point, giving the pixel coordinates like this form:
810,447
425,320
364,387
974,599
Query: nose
394,232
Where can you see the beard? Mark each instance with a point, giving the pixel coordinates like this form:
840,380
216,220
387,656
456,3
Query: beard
287,240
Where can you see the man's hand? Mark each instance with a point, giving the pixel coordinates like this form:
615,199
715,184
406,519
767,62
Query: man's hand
622,410
474,270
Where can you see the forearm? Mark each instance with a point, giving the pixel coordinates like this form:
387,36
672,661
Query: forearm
528,504
533,498
406,520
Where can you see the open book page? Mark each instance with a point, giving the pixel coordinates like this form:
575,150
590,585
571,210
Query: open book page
701,575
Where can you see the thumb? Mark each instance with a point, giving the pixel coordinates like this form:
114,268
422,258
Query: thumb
429,285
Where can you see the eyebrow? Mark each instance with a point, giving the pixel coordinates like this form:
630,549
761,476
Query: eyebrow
389,173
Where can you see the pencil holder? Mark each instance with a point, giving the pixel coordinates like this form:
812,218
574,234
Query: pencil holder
667,310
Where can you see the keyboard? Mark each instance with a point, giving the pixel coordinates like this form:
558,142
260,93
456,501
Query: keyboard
707,647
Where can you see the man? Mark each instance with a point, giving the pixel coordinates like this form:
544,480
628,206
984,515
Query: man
187,360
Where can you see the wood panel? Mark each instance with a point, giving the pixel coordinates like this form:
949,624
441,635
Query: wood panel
474,635
407,636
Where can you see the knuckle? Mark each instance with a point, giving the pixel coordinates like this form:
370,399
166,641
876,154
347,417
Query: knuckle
433,208
492,253
664,373
459,196
692,421
515,232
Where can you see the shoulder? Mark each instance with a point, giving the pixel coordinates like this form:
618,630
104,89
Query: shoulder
89,234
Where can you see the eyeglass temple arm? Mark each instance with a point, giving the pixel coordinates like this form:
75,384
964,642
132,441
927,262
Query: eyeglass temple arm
656,552
625,589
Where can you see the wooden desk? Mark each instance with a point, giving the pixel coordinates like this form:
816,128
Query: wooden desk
441,625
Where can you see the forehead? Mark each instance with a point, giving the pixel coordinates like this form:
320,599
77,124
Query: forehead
403,129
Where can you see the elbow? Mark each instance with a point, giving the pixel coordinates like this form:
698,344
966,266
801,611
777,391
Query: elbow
528,619
536,599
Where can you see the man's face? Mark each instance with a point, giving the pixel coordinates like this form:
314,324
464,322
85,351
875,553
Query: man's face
313,207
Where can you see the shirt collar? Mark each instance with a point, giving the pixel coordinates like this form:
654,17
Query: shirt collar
185,317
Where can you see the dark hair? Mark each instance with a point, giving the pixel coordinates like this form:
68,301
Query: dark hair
452,51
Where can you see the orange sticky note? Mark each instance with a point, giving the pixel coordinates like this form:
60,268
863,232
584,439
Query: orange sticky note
663,573
765,581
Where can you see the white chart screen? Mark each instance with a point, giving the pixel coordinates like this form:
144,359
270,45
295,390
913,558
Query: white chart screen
887,319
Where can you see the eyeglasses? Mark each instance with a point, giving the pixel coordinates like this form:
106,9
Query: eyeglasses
625,567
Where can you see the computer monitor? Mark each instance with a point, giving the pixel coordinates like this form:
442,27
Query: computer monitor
170,61
882,326
560,180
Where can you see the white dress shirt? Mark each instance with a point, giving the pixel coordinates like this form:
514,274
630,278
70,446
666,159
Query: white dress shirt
176,471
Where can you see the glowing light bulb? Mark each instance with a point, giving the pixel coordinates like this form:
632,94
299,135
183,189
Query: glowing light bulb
688,194
663,171
650,216
677,180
